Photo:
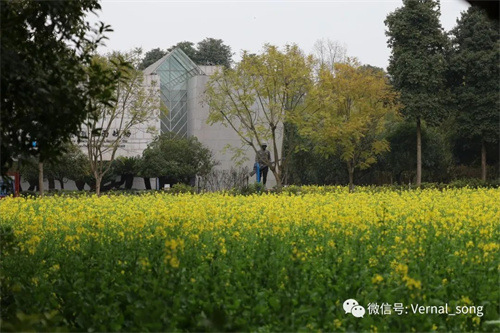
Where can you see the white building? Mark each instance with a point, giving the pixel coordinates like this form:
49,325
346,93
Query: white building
181,85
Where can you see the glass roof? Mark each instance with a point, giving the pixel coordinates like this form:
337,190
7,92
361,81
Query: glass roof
173,71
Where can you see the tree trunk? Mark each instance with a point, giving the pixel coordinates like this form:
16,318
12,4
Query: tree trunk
52,183
98,180
277,176
40,178
161,182
350,170
129,182
419,154
147,183
483,160
61,182
400,178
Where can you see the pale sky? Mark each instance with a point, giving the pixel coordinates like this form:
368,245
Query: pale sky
248,25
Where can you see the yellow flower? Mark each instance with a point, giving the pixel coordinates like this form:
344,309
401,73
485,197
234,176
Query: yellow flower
174,262
412,283
377,279
466,300
34,280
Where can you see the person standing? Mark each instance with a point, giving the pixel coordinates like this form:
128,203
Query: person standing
263,157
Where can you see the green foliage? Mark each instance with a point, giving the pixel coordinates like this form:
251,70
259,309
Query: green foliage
151,57
209,51
188,48
177,158
46,47
126,165
181,188
350,109
253,267
258,96
28,169
72,164
107,181
309,167
474,74
401,160
127,168
255,188
212,52
417,64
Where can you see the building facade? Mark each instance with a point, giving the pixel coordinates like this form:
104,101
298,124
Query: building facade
180,84
182,87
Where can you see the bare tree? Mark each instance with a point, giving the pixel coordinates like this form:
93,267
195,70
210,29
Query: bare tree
220,180
135,103
328,52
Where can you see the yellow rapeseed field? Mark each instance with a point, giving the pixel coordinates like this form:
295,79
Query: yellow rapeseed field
267,262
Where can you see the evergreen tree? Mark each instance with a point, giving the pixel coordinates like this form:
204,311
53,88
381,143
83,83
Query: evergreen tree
417,64
212,52
151,57
475,73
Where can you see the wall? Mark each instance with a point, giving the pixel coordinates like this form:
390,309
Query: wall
217,136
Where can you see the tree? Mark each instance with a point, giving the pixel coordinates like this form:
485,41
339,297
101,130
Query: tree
151,57
475,72
175,160
350,109
257,97
436,156
134,103
127,168
72,164
417,64
28,169
188,48
213,52
45,49
309,167
328,53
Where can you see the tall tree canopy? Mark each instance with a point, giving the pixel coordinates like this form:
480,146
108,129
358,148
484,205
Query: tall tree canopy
475,73
417,64
257,97
209,51
349,109
213,51
151,57
45,49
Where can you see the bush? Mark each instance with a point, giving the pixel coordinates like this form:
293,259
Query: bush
255,188
181,188
469,182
